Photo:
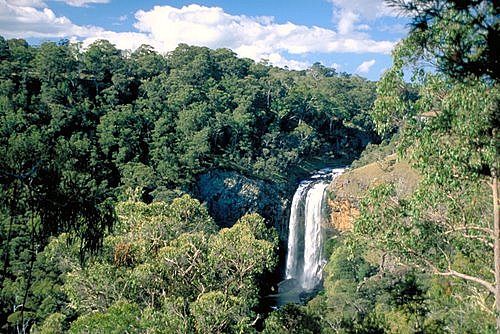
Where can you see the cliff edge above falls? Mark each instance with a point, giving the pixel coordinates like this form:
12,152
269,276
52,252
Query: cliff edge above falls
345,191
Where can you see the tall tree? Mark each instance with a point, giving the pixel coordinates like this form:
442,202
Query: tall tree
450,133
460,37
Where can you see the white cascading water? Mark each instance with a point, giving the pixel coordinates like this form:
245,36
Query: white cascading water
295,232
313,243
305,241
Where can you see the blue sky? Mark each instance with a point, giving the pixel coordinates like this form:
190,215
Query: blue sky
354,36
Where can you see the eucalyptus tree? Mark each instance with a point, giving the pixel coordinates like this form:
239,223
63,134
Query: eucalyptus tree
449,131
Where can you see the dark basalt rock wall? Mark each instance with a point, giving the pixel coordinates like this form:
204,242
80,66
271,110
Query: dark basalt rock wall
230,195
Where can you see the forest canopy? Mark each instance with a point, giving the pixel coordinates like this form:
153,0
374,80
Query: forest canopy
101,151
82,129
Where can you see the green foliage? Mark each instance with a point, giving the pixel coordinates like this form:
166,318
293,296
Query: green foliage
363,296
121,317
191,214
410,231
53,324
447,121
138,180
376,152
459,37
171,317
456,145
292,319
216,312
166,269
258,228
95,288
123,136
81,129
238,256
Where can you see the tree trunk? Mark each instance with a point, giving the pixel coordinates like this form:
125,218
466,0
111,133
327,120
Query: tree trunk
496,220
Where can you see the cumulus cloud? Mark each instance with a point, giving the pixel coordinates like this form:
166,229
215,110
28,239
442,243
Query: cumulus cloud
365,66
348,13
164,27
253,37
31,21
122,40
336,66
278,60
369,9
27,3
83,3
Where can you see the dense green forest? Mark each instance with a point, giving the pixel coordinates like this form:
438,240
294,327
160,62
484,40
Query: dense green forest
85,132
102,229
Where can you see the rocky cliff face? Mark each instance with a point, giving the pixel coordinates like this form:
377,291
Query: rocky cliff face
343,213
345,192
230,195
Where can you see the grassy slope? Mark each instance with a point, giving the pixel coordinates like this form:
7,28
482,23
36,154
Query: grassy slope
353,183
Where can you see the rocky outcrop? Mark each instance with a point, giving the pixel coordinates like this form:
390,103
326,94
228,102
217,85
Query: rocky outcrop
345,192
343,213
230,195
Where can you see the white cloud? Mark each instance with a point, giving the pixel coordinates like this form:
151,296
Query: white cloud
278,60
253,37
365,66
394,28
83,3
123,40
119,20
336,66
27,3
368,9
164,27
347,21
25,21
348,13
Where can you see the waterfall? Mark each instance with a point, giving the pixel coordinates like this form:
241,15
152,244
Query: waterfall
313,243
305,261
295,232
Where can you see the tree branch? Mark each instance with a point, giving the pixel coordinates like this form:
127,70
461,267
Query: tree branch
473,228
478,280
450,272
478,238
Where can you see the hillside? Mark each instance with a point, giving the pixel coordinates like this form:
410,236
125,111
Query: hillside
345,192
85,129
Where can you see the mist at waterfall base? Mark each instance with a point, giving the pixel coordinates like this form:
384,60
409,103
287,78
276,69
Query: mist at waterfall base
305,261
